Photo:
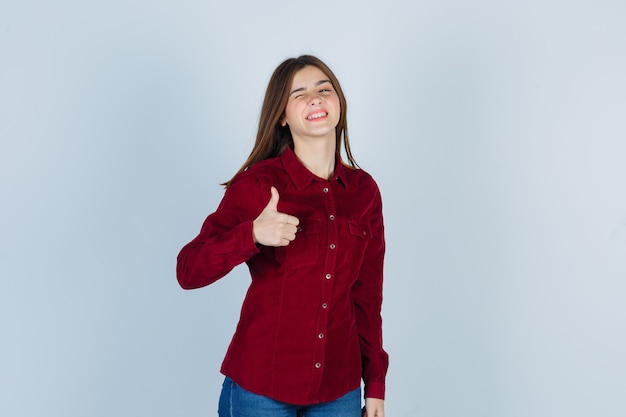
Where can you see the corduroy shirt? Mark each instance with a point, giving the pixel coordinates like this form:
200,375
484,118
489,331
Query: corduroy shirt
310,325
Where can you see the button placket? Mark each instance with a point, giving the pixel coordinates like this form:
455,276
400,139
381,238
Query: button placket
326,281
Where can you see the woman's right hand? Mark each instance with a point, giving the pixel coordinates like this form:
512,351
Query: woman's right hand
273,228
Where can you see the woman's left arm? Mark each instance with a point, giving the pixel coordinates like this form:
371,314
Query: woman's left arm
367,295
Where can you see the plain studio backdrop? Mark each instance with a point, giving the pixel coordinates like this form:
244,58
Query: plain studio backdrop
496,131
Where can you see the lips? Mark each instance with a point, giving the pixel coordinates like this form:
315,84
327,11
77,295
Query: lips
317,115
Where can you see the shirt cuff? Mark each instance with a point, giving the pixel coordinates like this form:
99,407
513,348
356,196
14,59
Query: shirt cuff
375,390
245,241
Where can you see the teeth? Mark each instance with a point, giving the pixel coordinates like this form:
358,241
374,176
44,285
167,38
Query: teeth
316,116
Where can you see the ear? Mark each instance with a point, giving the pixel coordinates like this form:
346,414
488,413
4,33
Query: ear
283,121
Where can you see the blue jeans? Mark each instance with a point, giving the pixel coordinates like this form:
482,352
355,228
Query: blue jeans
237,402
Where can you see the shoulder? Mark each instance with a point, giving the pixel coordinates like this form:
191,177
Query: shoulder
267,169
360,178
262,173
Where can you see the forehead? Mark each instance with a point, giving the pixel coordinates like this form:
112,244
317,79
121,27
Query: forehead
307,76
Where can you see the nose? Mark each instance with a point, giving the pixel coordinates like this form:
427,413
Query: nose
315,99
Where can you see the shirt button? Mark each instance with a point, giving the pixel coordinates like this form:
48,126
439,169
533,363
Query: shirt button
321,335
325,189
324,305
332,217
318,365
332,246
328,276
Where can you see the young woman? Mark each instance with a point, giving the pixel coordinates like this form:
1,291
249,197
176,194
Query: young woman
310,229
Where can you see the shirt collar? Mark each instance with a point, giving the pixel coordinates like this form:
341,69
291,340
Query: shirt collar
301,176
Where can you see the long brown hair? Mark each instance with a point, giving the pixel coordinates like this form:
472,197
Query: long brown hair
272,138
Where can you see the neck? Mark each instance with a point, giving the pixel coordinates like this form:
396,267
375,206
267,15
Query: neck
319,158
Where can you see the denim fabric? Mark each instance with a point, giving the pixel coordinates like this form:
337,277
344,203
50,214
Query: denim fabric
237,402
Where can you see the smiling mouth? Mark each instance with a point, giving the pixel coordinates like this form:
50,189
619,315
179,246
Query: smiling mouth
316,115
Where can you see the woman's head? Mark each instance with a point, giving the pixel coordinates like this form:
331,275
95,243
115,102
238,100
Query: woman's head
273,136
313,109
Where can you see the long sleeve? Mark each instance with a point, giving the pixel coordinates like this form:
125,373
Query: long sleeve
226,239
367,296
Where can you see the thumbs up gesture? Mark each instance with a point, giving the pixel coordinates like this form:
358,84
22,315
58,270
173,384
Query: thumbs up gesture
273,228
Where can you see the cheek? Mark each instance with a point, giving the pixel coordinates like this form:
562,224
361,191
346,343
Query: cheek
291,112
334,103
337,106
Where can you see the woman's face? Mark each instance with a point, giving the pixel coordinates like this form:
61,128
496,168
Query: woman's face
313,107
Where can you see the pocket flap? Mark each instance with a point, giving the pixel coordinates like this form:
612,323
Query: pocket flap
356,229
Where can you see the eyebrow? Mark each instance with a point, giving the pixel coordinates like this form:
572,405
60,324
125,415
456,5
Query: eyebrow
320,82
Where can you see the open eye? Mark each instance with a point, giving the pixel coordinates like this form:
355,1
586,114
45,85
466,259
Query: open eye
326,89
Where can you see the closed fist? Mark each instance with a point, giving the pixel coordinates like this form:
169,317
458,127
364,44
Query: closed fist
273,228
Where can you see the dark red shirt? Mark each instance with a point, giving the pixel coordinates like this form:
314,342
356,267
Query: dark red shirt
310,325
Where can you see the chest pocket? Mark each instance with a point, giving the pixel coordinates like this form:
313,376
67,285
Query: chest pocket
359,235
304,249
358,230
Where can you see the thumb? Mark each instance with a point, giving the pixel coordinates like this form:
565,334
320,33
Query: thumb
273,203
